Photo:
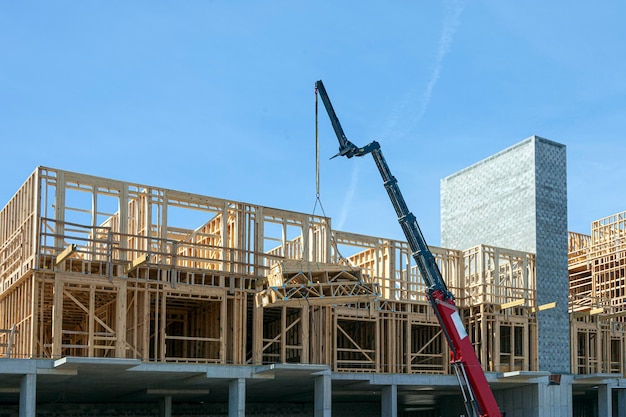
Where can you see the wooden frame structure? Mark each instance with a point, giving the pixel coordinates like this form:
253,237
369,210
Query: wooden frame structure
597,299
97,267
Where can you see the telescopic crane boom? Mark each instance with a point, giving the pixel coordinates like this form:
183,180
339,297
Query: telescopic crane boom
477,395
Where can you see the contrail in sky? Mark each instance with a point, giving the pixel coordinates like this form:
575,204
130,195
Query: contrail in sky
451,21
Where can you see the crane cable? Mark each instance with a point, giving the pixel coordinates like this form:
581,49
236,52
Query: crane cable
317,158
317,151
317,183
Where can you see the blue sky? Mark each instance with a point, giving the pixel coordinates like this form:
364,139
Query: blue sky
217,98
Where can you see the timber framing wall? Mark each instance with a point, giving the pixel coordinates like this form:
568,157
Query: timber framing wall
96,267
597,299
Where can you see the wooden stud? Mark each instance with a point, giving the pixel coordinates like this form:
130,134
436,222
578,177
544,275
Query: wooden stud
57,319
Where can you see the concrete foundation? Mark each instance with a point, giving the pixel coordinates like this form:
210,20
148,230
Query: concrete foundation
97,386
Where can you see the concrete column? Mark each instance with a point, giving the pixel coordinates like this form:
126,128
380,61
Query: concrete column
389,401
165,406
621,402
556,399
605,401
28,395
323,396
237,398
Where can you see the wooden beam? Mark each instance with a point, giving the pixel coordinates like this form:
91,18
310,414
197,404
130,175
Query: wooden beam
590,312
138,261
613,315
595,311
542,307
512,304
65,253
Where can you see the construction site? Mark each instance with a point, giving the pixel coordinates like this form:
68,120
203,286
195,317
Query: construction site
120,298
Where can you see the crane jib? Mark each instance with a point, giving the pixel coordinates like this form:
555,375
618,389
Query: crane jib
478,397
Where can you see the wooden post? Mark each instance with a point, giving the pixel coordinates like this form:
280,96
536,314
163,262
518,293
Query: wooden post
120,319
162,324
34,318
57,318
59,210
123,203
91,320
408,336
304,334
283,334
145,322
223,326
377,345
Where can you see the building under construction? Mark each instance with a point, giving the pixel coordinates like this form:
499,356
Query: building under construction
119,298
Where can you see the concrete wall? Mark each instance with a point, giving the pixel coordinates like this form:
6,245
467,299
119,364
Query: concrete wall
537,400
491,202
519,402
552,251
517,199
